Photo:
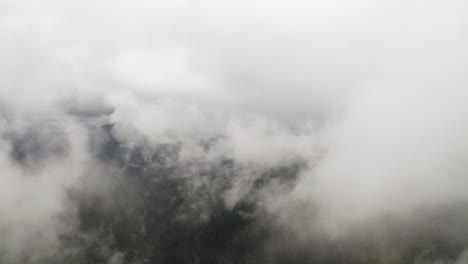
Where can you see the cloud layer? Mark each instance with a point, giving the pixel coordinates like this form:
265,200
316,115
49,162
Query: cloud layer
367,98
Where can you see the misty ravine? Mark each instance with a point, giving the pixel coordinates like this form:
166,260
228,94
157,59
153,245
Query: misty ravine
233,132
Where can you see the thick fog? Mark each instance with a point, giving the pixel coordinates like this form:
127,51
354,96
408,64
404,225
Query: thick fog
323,131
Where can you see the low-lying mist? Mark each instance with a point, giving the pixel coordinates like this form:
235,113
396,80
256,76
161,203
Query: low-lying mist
202,131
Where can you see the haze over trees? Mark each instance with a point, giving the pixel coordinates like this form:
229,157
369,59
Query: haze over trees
224,132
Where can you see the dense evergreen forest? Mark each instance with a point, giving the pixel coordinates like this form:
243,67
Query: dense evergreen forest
150,211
